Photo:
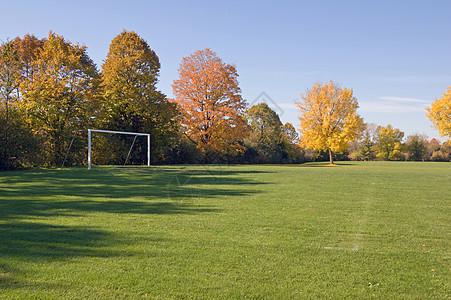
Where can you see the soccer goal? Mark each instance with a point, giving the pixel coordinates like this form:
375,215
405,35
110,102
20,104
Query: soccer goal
90,131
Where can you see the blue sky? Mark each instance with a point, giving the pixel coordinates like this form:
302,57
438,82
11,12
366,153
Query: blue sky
395,55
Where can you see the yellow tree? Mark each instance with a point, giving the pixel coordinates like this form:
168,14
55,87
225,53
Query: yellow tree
440,113
329,119
210,99
58,95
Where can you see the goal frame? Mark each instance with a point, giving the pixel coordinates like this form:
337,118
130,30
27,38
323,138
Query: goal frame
117,132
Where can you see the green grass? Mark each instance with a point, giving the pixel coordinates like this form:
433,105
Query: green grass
358,230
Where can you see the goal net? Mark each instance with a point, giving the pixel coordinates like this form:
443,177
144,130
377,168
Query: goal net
90,131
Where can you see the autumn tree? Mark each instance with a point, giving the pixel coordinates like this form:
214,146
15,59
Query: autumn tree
209,98
131,99
432,146
9,75
27,49
329,119
18,145
58,94
443,153
388,143
9,82
440,113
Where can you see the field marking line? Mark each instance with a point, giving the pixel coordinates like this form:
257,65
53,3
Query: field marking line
358,235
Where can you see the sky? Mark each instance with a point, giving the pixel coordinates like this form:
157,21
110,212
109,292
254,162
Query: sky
394,54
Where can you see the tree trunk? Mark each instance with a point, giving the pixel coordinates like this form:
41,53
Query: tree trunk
331,158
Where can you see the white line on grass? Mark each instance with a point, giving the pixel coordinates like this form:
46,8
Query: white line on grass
358,235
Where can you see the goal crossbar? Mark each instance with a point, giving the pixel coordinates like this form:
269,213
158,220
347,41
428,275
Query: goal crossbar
117,132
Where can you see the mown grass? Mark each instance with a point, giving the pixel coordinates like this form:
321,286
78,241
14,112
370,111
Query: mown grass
358,230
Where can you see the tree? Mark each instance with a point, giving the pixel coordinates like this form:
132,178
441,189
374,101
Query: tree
366,147
289,134
265,133
28,49
440,113
432,146
443,153
9,82
18,145
209,98
131,99
58,95
388,143
329,119
446,149
290,143
9,74
416,147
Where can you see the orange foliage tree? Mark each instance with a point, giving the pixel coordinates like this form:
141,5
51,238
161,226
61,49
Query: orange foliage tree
209,98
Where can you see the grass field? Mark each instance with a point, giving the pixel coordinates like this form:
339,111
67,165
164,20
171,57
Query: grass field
357,230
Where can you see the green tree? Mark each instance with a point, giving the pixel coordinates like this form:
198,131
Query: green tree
131,101
416,147
58,96
265,133
270,141
366,149
366,146
388,143
290,144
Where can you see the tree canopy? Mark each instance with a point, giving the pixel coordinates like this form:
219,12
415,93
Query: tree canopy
50,88
131,101
265,132
388,143
329,119
57,95
209,98
440,113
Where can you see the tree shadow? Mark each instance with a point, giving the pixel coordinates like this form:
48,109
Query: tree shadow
29,200
115,184
37,241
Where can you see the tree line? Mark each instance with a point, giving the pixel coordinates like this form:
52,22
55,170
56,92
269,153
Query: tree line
50,90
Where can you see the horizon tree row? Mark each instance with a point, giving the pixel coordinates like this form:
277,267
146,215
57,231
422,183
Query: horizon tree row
50,88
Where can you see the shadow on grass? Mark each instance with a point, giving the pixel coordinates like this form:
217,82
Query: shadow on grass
29,198
37,241
115,183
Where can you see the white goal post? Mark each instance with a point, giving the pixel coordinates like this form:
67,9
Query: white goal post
117,132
